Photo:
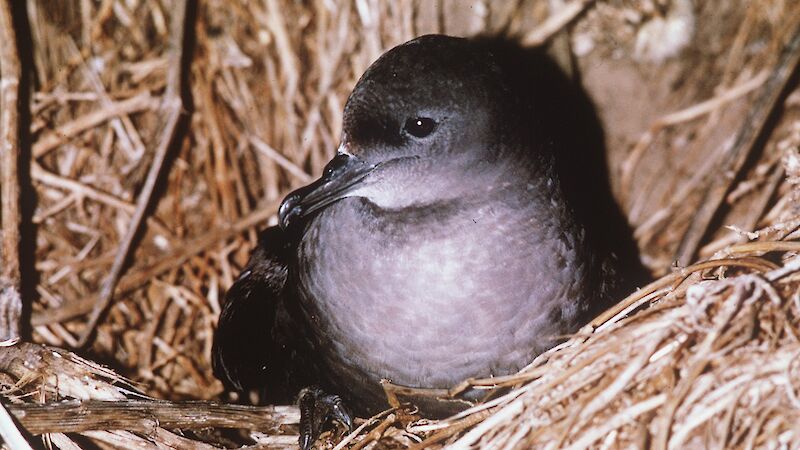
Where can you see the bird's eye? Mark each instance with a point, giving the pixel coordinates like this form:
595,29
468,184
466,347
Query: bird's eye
420,126
338,161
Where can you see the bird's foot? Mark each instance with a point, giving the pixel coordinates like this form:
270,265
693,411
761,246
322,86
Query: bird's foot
317,409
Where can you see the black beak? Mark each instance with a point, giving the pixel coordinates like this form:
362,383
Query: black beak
340,177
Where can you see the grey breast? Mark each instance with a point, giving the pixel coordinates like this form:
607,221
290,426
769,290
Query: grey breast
429,298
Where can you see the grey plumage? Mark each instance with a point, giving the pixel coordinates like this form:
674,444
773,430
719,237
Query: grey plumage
443,242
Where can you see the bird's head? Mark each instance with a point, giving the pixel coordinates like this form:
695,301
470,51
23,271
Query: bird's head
431,120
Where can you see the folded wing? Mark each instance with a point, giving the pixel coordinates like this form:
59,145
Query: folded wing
249,351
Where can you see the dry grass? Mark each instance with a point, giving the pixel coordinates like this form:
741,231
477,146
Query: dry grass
705,357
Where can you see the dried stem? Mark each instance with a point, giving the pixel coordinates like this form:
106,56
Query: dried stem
10,300
144,416
102,400
556,22
753,127
50,141
173,260
10,433
172,105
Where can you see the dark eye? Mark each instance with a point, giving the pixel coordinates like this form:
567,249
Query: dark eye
338,161
420,126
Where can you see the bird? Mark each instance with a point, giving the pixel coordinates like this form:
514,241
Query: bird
456,233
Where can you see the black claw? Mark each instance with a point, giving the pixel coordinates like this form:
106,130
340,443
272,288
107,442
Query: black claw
318,409
339,412
306,441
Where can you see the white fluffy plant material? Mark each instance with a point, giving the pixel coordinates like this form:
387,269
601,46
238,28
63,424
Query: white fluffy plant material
663,37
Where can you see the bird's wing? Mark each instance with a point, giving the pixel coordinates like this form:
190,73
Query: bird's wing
247,351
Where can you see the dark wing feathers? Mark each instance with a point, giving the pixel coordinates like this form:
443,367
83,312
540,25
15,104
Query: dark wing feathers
246,353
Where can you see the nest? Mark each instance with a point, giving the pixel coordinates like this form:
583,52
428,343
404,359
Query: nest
158,144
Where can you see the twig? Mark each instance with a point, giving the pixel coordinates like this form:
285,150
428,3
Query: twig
131,105
63,371
369,422
172,106
10,300
164,438
765,246
752,129
760,204
144,416
127,135
454,428
80,190
281,160
176,258
10,433
556,22
668,280
625,416
123,439
102,400
376,432
684,115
